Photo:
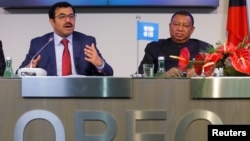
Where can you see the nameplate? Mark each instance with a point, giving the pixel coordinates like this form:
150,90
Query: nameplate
220,87
95,87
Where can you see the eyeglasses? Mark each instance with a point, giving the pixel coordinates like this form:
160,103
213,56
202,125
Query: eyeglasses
64,17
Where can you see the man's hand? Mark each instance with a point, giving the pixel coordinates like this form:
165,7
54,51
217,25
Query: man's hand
174,72
34,62
92,55
191,72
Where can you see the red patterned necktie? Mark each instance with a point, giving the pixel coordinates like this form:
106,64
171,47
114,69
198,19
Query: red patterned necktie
66,63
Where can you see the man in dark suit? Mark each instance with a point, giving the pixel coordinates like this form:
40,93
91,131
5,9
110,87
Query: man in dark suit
85,57
181,28
2,60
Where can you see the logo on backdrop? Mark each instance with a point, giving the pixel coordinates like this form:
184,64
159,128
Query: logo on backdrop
147,31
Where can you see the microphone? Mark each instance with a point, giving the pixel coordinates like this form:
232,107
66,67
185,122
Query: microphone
34,71
40,50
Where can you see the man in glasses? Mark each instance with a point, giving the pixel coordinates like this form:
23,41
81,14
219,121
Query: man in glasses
65,51
181,28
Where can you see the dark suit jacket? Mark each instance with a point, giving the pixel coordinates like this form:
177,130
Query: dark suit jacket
2,60
48,59
166,47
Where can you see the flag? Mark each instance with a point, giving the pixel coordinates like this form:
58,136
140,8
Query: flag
237,21
147,31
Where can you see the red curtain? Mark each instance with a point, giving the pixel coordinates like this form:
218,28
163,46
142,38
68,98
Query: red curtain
237,21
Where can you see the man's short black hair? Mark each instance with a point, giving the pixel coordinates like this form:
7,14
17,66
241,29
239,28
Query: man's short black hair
185,13
58,5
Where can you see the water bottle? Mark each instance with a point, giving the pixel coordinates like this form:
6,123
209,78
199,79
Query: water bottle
161,66
8,72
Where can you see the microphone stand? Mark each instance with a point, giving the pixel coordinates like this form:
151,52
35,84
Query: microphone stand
40,50
30,71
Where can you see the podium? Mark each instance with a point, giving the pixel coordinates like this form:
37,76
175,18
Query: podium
75,86
159,109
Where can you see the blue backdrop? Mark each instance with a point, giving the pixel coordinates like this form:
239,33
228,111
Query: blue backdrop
107,3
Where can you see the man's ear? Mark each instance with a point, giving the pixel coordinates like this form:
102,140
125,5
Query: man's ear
52,22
